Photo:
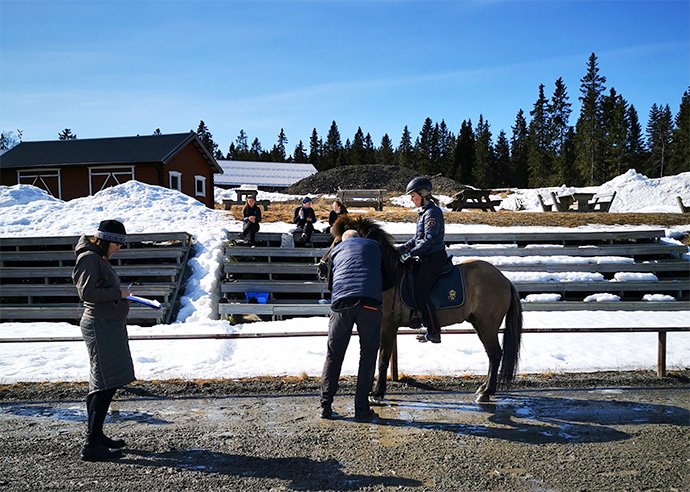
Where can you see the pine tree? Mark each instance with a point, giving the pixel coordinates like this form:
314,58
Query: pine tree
405,150
242,147
539,155
332,148
588,130
369,150
67,134
502,161
356,151
232,152
255,151
424,148
615,128
558,113
679,160
570,174
10,139
385,155
300,153
346,155
315,149
519,152
635,152
278,153
483,171
446,147
659,128
206,138
463,160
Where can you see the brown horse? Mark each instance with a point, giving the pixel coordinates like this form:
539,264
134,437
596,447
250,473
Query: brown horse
489,298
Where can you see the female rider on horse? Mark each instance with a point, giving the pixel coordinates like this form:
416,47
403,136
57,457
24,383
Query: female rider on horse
429,246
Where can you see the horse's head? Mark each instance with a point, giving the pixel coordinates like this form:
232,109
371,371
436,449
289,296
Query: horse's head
366,227
369,229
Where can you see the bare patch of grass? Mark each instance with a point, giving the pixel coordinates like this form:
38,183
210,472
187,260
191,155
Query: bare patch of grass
283,211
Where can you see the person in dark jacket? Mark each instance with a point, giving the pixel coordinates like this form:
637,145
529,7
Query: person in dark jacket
355,280
103,326
428,245
337,209
251,217
304,217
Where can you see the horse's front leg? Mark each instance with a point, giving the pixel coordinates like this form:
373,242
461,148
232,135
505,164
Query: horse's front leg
388,335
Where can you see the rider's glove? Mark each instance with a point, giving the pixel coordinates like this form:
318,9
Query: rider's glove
322,268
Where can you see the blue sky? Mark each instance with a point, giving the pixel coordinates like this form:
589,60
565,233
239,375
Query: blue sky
113,68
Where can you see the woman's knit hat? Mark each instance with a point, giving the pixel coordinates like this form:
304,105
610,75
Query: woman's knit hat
306,199
112,230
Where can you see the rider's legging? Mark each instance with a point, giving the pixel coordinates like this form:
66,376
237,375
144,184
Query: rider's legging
429,270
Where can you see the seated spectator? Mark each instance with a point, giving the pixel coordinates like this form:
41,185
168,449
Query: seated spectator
251,217
338,209
304,217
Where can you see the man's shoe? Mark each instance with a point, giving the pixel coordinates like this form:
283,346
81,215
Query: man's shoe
430,337
113,443
366,416
98,452
326,412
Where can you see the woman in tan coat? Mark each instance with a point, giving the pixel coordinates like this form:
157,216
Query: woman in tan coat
104,328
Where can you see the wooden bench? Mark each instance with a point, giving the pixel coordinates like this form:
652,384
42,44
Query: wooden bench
521,238
72,312
36,275
601,203
632,250
289,275
279,311
473,198
561,203
684,209
275,239
362,198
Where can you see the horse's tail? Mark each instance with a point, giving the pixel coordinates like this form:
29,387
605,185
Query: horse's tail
511,339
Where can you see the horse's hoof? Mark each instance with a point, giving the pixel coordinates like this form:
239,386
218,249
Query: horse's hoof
376,401
482,398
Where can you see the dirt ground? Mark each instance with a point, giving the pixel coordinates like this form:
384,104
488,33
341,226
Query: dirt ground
599,431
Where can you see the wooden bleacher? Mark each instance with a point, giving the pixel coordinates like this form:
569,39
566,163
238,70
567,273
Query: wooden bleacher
36,276
289,275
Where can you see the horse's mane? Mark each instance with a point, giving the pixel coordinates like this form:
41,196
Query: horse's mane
370,229
367,228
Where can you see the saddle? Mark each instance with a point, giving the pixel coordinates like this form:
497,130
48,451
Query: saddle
447,292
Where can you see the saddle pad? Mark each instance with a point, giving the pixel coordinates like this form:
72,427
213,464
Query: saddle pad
447,292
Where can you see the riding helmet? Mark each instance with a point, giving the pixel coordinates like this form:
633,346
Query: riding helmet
419,184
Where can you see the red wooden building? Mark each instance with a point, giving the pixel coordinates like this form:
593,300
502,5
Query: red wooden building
70,169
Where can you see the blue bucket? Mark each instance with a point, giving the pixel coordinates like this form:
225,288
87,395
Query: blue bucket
259,297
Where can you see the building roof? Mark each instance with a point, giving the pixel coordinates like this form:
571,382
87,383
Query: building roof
268,174
116,150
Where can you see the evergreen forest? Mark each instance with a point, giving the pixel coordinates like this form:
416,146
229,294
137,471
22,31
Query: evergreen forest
542,149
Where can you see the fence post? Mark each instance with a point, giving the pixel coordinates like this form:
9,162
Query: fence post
661,355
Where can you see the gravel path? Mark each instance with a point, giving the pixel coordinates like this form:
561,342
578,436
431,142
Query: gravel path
266,435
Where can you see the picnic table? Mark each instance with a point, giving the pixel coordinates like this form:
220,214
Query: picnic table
242,195
474,198
577,201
